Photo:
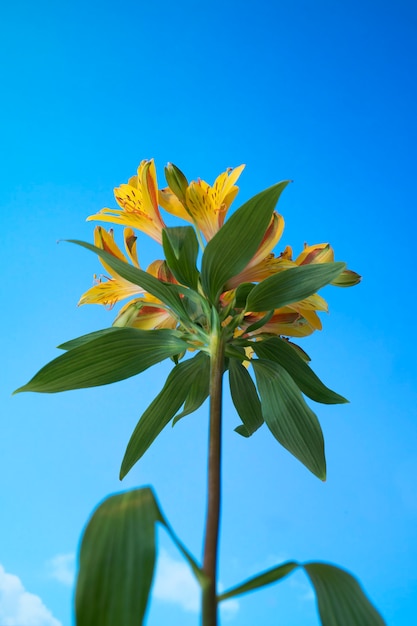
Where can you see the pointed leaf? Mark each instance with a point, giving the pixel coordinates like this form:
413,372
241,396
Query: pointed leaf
340,598
291,285
279,351
245,398
260,580
116,563
199,389
236,242
167,293
181,250
241,294
79,341
162,409
106,359
288,417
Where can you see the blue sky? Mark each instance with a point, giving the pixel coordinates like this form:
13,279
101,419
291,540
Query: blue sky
320,92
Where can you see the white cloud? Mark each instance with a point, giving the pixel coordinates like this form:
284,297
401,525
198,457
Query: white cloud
62,568
175,583
18,607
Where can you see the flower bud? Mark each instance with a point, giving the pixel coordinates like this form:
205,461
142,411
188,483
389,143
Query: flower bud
176,181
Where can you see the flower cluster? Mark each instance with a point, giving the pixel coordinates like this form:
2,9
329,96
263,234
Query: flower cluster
205,208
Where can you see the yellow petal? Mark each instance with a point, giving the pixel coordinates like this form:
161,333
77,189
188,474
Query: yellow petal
171,204
139,203
319,253
109,292
138,314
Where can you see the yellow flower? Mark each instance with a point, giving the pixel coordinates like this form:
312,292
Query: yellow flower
204,206
108,291
285,321
146,312
138,200
324,253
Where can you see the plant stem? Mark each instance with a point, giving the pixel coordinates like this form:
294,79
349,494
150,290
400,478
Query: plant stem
211,543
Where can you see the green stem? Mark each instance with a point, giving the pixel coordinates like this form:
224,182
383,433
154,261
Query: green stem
211,542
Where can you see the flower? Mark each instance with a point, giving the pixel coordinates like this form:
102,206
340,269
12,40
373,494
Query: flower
203,205
138,200
146,312
108,291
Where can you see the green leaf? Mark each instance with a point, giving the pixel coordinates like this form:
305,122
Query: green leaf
79,341
167,293
260,580
181,250
291,285
162,409
288,417
236,242
199,388
245,398
117,559
106,359
340,598
279,351
241,295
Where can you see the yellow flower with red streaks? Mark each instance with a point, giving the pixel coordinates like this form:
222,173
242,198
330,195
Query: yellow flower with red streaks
111,288
138,200
203,205
146,312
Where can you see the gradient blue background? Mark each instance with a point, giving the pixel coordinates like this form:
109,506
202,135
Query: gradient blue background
320,92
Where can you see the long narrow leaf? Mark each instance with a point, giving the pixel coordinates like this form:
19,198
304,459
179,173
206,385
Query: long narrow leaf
161,410
236,242
340,598
260,580
106,359
117,559
181,250
199,388
245,398
291,285
79,341
279,351
288,417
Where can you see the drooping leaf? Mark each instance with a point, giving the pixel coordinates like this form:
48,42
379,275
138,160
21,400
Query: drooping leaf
260,580
162,409
245,398
106,359
288,417
291,285
236,242
79,341
166,292
117,559
279,351
340,598
181,250
199,388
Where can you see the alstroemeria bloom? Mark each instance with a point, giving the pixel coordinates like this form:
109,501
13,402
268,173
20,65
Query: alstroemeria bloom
205,206
138,200
324,253
146,312
108,291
